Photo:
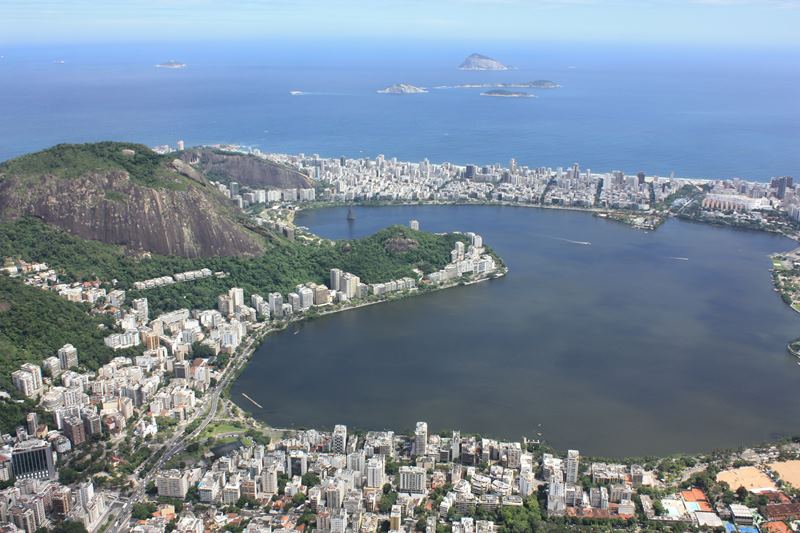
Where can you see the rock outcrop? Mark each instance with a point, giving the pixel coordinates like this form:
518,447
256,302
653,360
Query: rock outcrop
178,212
245,169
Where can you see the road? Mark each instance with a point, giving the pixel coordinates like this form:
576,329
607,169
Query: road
179,441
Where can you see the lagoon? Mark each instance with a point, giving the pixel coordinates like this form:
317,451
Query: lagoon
638,343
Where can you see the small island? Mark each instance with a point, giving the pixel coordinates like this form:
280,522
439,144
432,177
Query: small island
538,84
543,84
172,64
502,93
481,62
403,88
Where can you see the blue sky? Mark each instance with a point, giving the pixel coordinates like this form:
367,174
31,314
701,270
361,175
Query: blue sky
724,22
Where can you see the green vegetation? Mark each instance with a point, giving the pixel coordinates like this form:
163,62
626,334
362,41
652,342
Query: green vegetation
34,324
388,498
68,526
143,511
74,160
310,479
389,254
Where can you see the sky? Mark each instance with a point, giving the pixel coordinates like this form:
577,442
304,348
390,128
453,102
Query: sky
718,22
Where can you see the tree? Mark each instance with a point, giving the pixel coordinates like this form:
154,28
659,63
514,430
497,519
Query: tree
310,479
143,511
68,526
202,350
741,493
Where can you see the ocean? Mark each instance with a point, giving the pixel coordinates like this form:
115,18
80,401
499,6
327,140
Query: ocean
712,112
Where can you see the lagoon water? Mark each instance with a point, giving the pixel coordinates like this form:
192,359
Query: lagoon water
638,343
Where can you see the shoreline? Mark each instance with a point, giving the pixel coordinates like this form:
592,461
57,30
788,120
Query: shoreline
596,211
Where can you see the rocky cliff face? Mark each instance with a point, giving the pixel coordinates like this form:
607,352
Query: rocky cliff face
187,218
245,169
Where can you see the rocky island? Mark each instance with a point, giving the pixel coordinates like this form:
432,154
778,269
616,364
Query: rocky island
481,62
403,88
502,93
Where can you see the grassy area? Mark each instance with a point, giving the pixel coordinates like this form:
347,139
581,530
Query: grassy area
220,428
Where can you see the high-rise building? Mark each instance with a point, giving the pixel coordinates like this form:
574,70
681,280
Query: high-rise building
376,477
421,439
33,459
74,430
455,446
412,479
237,297
294,300
24,518
275,300
141,309
28,380
395,518
306,297
573,465
336,276
68,356
180,145
269,480
32,422
92,424
296,463
62,502
173,484
339,440
348,284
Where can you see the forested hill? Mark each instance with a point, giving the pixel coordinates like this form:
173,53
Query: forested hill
124,193
391,253
34,324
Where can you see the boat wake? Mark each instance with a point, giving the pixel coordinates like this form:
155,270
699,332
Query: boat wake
583,243
680,258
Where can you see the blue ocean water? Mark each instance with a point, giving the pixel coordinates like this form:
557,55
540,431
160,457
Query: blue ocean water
697,112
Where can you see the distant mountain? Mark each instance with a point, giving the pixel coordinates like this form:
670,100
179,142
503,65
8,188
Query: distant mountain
123,193
245,169
481,62
403,88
